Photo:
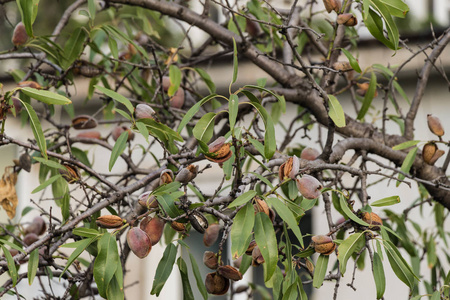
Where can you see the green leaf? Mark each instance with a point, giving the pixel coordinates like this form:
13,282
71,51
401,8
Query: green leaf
92,9
378,275
45,96
85,232
353,62
321,270
287,216
344,206
46,183
116,96
241,230
198,277
28,11
11,265
164,269
336,112
33,264
187,291
270,144
267,242
386,201
204,129
235,62
406,145
36,128
156,128
306,253
49,163
168,204
345,250
233,108
431,252
374,24
397,8
192,111
114,291
74,47
398,265
257,144
106,262
81,156
407,163
368,97
280,99
118,149
175,80
207,79
242,199
142,130
81,246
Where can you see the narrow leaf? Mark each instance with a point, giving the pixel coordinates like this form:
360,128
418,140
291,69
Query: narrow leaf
386,201
85,232
49,163
242,199
204,129
36,128
192,111
407,163
198,277
241,230
350,245
398,266
336,112
116,96
46,183
207,79
287,216
344,206
118,149
235,62
106,262
321,270
11,265
233,108
406,145
352,60
267,242
83,244
175,80
45,96
164,269
187,290
378,275
368,97
33,264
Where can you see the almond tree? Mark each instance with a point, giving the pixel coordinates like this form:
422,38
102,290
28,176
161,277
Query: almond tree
168,123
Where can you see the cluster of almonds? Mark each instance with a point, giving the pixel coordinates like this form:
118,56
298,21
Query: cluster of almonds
218,282
141,239
307,185
346,19
31,234
324,244
431,153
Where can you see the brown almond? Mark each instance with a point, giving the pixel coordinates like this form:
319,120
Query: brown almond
323,244
347,20
428,151
210,260
309,154
154,227
435,126
229,272
216,284
109,221
331,5
373,220
92,134
84,122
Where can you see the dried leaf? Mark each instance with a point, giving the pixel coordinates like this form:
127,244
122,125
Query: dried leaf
8,196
